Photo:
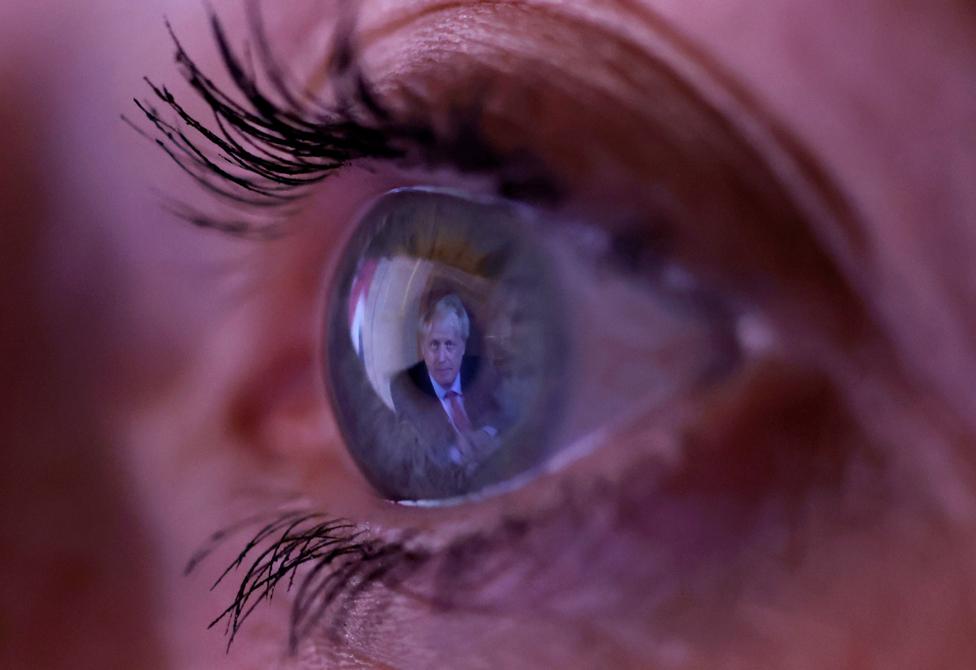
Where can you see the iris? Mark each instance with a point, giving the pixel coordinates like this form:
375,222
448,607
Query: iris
470,340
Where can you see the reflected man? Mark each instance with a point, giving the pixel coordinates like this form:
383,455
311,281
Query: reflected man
449,397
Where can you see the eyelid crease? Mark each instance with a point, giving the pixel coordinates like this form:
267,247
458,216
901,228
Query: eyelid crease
692,63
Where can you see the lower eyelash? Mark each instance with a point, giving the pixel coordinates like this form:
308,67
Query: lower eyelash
329,562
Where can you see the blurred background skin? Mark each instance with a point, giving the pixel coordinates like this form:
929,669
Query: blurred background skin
114,363
79,561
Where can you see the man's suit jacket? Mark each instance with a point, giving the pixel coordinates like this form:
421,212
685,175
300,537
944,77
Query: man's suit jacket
416,401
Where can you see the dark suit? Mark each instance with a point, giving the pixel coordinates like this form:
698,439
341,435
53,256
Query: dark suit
416,404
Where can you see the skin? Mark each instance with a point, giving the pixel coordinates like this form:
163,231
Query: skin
159,382
443,349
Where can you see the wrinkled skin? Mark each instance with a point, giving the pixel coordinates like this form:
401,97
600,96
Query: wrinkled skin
443,350
160,382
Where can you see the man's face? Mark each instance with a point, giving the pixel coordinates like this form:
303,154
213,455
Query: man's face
443,349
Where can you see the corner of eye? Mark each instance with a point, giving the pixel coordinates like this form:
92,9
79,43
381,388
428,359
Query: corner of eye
278,412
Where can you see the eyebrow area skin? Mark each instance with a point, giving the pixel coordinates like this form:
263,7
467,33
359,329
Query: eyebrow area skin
204,402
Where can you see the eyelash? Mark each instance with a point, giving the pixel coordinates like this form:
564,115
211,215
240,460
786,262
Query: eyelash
307,539
275,150
341,560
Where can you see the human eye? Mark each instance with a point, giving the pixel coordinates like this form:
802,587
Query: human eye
660,529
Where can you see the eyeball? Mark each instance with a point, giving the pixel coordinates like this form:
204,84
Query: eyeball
466,343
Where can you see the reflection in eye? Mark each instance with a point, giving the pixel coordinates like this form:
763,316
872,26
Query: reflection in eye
468,343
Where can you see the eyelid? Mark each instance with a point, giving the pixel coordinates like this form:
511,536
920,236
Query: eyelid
625,30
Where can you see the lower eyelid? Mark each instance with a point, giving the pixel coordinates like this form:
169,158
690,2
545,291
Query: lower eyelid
481,558
784,430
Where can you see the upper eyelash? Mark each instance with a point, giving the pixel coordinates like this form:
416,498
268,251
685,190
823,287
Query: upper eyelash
264,153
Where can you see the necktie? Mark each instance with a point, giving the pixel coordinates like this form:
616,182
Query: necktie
458,416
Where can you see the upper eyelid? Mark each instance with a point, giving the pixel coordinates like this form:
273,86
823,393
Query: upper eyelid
822,233
524,174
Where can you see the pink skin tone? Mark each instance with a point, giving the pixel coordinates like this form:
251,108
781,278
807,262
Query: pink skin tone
443,349
151,395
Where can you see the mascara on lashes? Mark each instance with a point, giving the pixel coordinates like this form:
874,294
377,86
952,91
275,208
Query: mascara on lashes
267,150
